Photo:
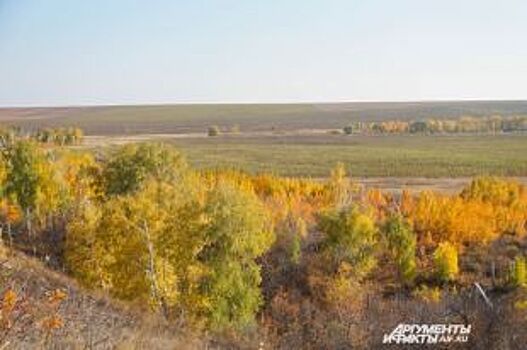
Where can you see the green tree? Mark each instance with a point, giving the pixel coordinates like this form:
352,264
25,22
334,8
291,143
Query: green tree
131,165
32,182
23,178
236,233
401,243
351,237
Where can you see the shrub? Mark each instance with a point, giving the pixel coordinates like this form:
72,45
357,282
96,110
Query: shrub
348,129
213,130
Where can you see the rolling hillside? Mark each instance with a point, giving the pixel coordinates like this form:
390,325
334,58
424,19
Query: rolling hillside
185,118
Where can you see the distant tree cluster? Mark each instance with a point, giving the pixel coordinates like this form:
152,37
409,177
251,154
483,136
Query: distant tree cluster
493,124
59,136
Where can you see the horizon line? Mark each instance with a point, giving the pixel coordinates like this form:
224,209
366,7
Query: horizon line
226,103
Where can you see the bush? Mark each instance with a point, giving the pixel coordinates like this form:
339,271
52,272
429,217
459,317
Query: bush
348,129
214,130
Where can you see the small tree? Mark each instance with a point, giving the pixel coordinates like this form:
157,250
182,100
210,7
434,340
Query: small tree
446,262
339,187
401,243
31,181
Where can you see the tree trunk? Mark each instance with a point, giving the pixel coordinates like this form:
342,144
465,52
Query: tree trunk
152,272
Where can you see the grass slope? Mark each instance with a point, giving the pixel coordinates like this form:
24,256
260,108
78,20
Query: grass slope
106,120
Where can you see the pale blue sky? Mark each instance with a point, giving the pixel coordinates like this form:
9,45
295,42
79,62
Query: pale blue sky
68,52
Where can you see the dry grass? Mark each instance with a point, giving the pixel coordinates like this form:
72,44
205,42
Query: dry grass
90,320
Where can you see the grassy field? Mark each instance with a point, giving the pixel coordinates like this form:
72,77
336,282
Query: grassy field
127,120
364,156
293,139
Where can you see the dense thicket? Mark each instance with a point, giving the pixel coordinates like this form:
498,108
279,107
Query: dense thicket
224,250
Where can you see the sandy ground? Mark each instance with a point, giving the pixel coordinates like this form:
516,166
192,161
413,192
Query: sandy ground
417,184
96,141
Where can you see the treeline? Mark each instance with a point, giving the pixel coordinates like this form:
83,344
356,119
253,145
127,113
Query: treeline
58,136
493,124
224,250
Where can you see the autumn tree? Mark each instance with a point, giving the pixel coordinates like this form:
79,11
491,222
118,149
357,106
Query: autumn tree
138,242
138,246
175,246
78,173
437,217
507,198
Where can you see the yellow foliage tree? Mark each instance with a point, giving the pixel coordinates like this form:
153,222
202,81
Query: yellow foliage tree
446,262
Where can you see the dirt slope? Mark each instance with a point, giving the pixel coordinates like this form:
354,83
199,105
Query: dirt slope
44,309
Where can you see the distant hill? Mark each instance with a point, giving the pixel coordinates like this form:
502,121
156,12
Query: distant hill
118,120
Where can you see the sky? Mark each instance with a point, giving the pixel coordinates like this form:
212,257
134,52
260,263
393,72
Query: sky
74,52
